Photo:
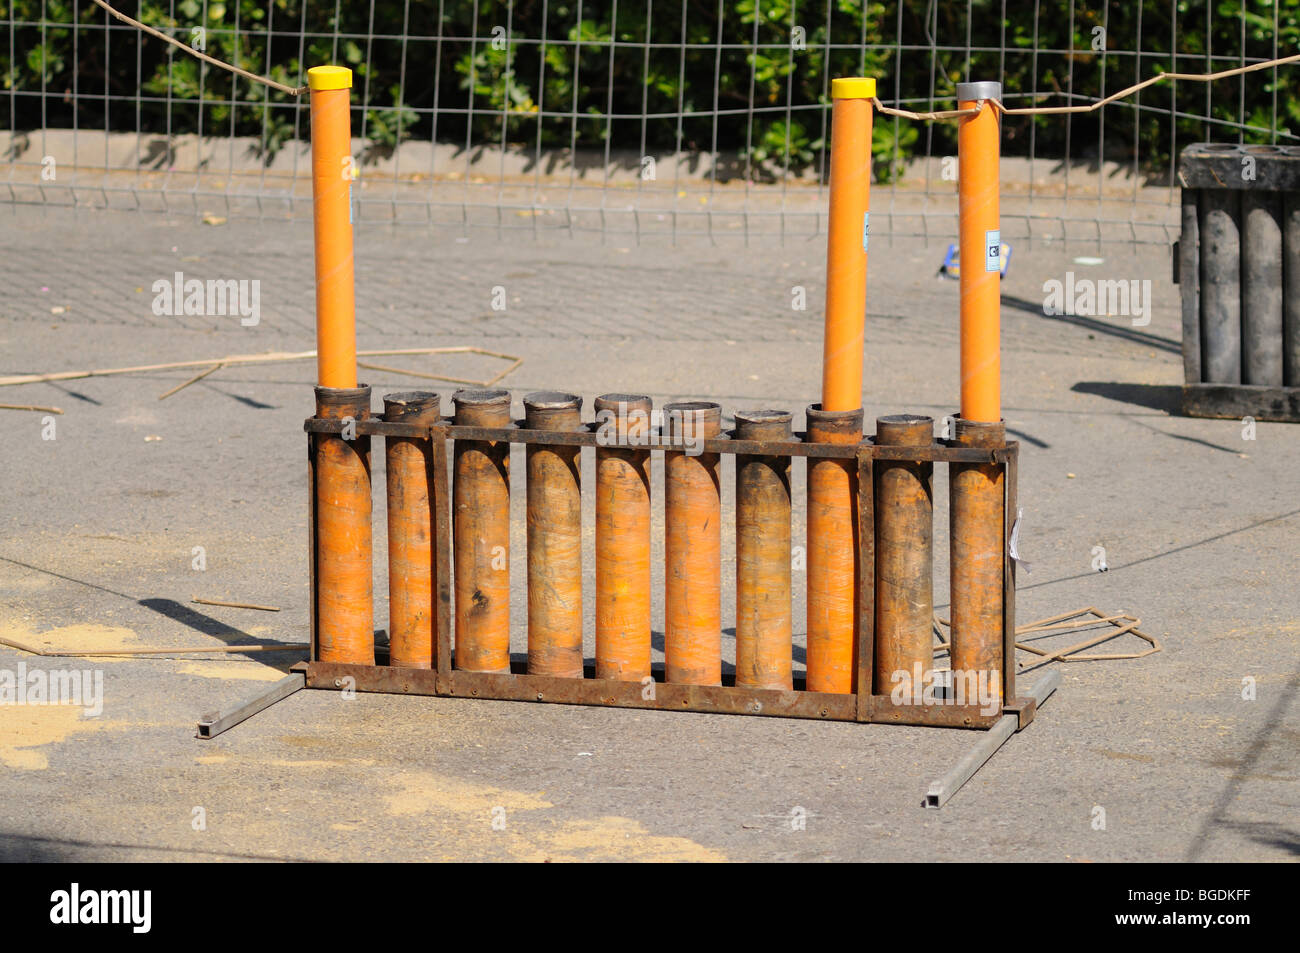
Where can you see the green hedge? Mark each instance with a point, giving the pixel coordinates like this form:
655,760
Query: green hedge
503,88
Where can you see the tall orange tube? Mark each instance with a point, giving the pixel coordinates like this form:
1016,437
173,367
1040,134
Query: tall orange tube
331,176
832,554
554,539
846,245
692,548
344,595
623,537
407,463
481,530
978,151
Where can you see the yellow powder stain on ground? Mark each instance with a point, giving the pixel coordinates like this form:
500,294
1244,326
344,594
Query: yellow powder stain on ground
249,671
75,638
610,839
24,729
422,792
283,762
477,806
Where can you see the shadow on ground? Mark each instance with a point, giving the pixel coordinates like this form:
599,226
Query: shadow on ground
1166,397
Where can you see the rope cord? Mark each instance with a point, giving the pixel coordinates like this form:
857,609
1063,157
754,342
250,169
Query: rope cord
265,81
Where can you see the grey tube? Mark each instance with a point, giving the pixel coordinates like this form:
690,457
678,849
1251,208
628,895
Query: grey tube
1261,293
1221,286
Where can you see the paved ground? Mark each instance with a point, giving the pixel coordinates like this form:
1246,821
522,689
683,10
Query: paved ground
1198,525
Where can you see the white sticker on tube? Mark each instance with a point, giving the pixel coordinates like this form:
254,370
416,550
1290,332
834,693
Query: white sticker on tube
993,250
866,228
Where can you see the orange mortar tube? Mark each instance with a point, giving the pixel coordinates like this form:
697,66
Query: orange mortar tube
975,517
978,151
692,548
976,508
341,467
763,614
481,534
342,532
407,467
623,537
846,245
832,484
904,527
832,554
554,539
331,179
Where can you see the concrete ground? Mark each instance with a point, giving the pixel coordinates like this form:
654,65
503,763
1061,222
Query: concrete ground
1158,758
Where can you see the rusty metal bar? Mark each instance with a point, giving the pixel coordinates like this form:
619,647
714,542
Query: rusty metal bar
692,547
1011,512
942,451
623,537
438,440
313,553
866,630
554,515
904,556
977,527
832,552
410,531
763,571
621,693
344,590
481,497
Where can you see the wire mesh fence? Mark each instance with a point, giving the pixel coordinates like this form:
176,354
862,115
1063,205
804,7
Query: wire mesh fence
648,119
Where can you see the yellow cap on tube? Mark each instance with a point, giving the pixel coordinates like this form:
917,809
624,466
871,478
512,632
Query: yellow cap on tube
853,87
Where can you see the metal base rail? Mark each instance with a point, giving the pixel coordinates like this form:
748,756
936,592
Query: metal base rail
651,692
217,722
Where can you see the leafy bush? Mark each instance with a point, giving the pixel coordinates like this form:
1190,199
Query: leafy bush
552,81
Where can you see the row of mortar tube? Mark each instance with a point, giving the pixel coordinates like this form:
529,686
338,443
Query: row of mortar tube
977,491
480,502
